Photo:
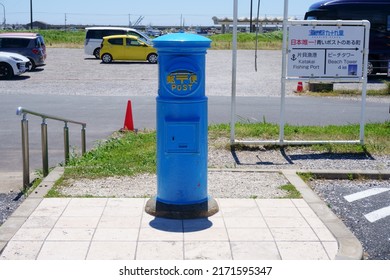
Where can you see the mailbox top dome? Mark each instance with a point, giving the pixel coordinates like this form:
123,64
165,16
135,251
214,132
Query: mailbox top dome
182,39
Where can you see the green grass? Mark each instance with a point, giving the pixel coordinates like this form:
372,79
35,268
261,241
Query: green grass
129,154
75,39
126,154
352,92
292,192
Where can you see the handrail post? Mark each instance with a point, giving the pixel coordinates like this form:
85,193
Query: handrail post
66,142
83,141
45,154
25,153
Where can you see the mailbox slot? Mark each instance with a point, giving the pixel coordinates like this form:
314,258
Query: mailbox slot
182,137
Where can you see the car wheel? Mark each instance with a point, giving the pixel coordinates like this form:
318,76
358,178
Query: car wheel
152,58
6,71
106,58
96,53
33,65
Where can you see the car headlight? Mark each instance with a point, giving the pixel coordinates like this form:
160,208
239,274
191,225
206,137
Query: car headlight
16,58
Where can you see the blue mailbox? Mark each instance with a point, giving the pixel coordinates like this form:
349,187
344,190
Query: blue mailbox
181,128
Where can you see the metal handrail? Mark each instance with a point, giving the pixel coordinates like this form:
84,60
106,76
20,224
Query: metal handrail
45,157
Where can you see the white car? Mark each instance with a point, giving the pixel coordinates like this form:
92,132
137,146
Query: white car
13,64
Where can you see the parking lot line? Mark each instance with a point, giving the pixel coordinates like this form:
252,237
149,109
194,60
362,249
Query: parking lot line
378,214
364,194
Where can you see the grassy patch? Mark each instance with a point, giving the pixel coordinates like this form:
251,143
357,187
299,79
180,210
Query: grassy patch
385,91
376,136
129,154
123,155
75,39
292,192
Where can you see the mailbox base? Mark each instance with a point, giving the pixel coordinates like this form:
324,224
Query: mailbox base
186,211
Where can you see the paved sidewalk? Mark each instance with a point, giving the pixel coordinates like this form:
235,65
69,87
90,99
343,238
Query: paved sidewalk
119,228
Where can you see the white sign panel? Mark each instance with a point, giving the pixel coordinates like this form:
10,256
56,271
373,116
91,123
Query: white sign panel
325,51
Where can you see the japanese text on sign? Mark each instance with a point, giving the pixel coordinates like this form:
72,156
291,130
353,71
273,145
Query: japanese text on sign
325,51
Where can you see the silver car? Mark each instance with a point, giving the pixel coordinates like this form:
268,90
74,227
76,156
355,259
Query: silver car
30,45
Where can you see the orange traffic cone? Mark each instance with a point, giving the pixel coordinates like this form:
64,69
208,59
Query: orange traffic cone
299,87
129,125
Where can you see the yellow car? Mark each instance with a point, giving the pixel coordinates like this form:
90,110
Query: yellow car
126,47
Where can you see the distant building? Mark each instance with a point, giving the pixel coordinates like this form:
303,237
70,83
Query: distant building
265,24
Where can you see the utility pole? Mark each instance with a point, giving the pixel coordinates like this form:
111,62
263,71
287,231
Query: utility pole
31,15
4,21
250,19
65,21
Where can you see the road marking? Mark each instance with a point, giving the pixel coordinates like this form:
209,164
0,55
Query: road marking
378,214
364,194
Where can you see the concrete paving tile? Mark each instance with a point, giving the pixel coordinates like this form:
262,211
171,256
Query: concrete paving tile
88,202
315,222
275,203
78,211
165,250
31,234
212,250
249,234
281,212
241,212
70,234
112,250
204,223
210,234
21,250
70,250
294,234
300,203
245,222
123,211
286,222
161,223
307,212
116,234
126,202
152,234
255,251
302,251
50,202
77,222
331,249
234,203
40,222
324,234
119,222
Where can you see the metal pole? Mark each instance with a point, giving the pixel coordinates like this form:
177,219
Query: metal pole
66,142
234,74
83,140
25,154
364,87
283,81
31,15
45,154
4,21
250,19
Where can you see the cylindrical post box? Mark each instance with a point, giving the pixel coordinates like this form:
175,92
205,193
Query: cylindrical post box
181,124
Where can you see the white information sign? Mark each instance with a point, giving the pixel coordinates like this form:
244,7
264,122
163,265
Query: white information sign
325,51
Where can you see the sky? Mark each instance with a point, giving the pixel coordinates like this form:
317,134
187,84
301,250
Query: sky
154,12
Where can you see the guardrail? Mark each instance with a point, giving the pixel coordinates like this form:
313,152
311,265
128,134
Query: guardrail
45,156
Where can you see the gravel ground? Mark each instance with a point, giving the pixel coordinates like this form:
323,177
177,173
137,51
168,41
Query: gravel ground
374,236
8,204
227,184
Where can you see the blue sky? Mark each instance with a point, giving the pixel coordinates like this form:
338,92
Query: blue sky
155,12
